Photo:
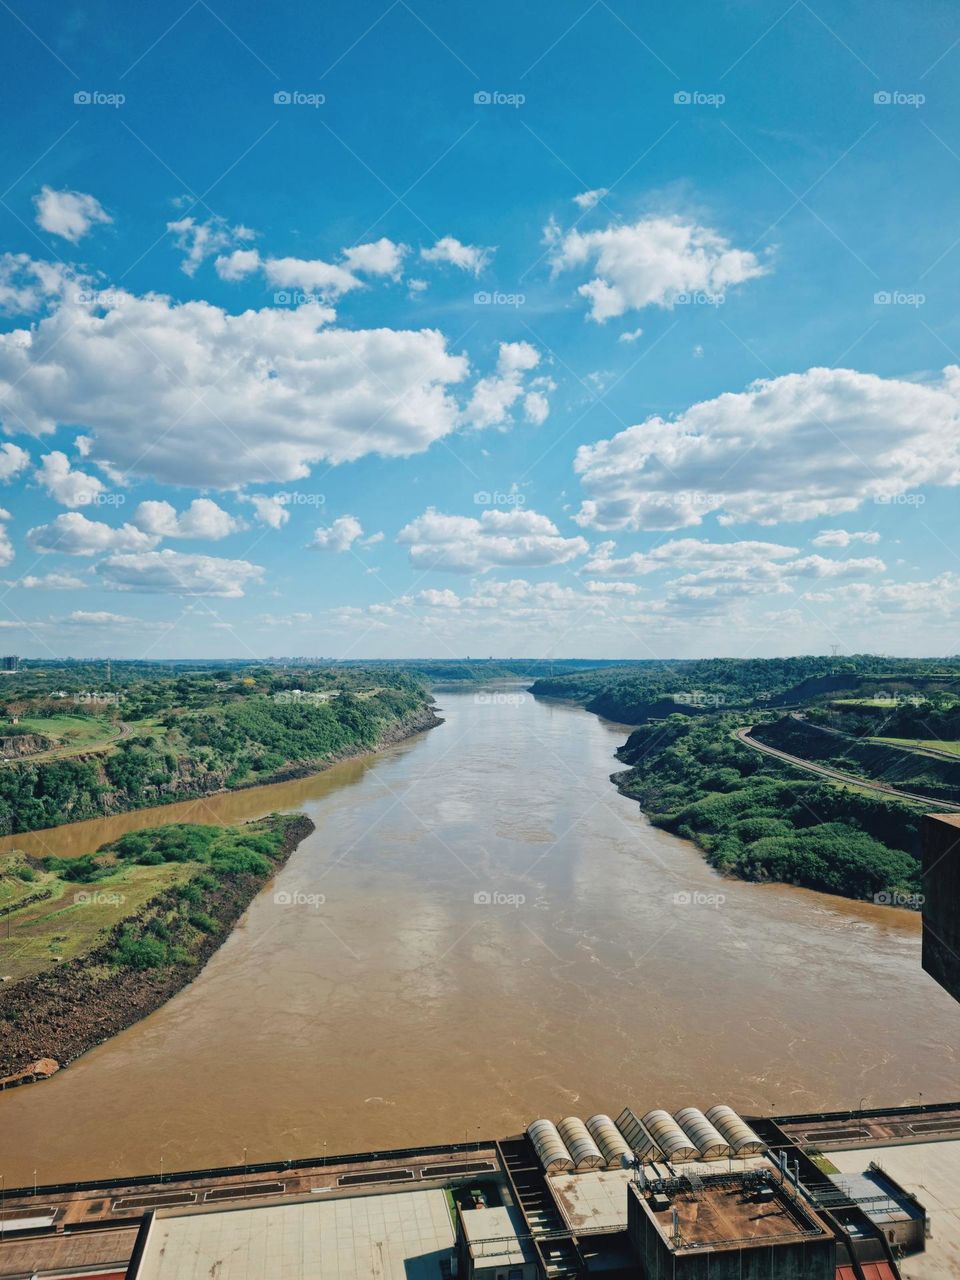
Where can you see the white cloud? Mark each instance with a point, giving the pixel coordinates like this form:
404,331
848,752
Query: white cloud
650,263
69,214
798,447
493,397
468,257
101,618
342,534
75,535
26,285
6,546
190,394
630,335
381,258
461,544
843,538
328,280
202,519
269,509
683,552
588,199
200,240
237,265
13,460
68,487
178,574
52,582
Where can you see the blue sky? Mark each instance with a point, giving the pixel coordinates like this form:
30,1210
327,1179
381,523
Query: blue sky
393,329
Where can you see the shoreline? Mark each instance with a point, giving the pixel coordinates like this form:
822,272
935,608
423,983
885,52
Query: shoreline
418,722
61,1013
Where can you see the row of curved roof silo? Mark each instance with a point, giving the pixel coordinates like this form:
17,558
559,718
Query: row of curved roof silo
600,1142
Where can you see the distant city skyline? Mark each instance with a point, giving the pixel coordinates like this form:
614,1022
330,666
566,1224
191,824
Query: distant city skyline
410,330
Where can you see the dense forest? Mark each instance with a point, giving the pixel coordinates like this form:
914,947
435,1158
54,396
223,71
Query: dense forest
756,819
193,735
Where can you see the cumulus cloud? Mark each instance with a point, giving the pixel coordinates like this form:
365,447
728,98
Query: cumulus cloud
589,199
52,582
190,394
26,285
202,519
342,534
269,509
102,618
69,214
493,397
200,240
843,538
174,573
462,544
13,460
709,569
328,280
473,258
798,447
6,546
68,487
650,262
75,535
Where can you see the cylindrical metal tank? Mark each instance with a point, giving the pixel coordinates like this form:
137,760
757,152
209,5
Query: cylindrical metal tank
668,1136
576,1138
549,1146
609,1139
743,1141
711,1144
634,1133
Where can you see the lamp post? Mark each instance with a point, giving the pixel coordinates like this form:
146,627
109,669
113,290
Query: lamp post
860,1125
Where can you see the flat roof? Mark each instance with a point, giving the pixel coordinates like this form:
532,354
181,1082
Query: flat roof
931,1170
718,1215
494,1236
867,1186
402,1236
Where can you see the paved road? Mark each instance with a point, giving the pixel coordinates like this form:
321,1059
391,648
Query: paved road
839,776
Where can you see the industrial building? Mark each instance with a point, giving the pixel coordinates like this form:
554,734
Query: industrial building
941,899
693,1195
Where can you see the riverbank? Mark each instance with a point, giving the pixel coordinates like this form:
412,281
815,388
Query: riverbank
153,778
147,957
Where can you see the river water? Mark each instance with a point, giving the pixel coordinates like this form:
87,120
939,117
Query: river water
481,931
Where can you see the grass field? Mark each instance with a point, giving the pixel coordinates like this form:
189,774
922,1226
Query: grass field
73,733
935,743
76,917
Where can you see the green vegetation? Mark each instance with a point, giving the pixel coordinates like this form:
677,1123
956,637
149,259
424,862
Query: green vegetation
893,766
193,733
153,892
754,818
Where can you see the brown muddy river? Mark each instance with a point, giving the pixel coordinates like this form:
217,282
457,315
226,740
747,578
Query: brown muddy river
482,931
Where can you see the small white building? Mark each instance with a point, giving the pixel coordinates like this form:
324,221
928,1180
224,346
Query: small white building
495,1245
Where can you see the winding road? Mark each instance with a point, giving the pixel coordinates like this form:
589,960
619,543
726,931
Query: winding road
837,775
